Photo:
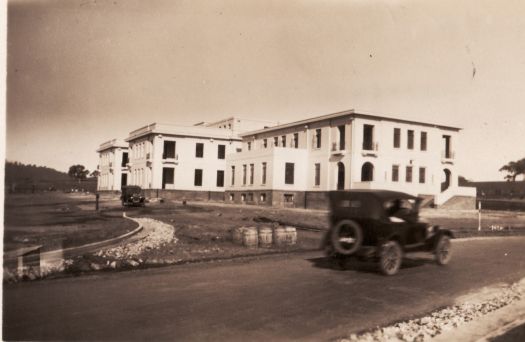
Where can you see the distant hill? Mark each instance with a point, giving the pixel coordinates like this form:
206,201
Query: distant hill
27,178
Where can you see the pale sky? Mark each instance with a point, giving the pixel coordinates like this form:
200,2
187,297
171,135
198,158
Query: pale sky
83,72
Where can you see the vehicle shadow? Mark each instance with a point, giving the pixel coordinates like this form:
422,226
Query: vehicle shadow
364,266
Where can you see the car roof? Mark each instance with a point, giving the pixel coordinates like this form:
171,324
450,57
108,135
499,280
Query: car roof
383,195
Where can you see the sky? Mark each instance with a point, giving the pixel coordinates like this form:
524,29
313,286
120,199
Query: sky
81,72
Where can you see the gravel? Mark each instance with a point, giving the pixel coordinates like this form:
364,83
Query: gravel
157,234
447,319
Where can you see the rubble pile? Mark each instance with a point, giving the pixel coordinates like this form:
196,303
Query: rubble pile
158,234
423,329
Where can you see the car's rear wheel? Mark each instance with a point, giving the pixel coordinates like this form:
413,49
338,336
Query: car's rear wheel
443,251
346,237
391,256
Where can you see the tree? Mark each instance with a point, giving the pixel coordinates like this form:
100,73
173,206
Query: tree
513,169
95,173
78,172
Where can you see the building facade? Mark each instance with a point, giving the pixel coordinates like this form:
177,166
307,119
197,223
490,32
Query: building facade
112,166
186,158
296,164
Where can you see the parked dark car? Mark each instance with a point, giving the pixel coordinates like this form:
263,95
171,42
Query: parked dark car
132,196
382,225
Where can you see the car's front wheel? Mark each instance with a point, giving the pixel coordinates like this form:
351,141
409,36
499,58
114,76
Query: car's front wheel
346,237
390,258
443,251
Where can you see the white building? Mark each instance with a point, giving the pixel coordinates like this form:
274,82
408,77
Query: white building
190,161
113,158
296,164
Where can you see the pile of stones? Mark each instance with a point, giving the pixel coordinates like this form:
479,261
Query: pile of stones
423,329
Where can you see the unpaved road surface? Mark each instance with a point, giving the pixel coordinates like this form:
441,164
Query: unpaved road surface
299,297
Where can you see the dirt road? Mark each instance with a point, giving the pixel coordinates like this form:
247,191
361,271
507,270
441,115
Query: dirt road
300,297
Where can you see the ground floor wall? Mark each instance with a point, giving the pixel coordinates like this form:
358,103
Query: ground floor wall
188,195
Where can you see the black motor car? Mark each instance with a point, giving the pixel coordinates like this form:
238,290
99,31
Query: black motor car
132,196
382,225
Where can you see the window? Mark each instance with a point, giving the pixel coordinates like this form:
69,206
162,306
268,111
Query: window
448,151
251,173
233,175
220,178
408,175
288,198
317,138
199,150
169,150
289,173
232,197
341,130
198,177
423,141
263,198
263,177
368,137
395,173
250,196
265,143
244,174
275,141
249,145
125,159
367,172
243,197
283,141
317,178
221,151
422,175
410,140
397,137
296,140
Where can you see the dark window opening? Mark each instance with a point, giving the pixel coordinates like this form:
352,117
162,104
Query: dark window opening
251,173
199,150
318,138
221,151
265,143
423,141
263,198
342,142
244,174
395,173
283,141
340,176
168,176
275,141
233,176
125,159
249,146
169,150
288,198
422,176
263,178
410,140
368,137
408,176
250,197
220,178
367,172
289,173
296,140
317,178
198,177
448,152
397,137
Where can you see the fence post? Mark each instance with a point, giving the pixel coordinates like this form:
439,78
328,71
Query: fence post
479,215
97,196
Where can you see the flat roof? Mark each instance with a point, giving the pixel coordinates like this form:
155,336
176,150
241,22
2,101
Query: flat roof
350,113
113,143
185,131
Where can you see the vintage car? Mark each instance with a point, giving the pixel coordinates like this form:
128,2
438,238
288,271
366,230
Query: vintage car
132,196
381,225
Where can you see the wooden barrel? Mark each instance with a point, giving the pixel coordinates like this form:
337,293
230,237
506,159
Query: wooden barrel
237,235
265,237
250,237
279,236
291,236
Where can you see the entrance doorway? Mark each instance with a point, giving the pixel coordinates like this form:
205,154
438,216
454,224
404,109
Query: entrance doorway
445,184
168,176
340,176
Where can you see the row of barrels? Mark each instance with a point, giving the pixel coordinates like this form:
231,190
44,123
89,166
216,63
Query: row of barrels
265,237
